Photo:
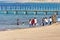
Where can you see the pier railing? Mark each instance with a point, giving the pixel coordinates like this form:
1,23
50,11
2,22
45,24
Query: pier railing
26,11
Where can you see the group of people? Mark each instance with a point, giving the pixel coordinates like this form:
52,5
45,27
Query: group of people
33,22
45,21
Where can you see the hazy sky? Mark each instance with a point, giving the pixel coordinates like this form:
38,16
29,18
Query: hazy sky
21,0
31,0
17,0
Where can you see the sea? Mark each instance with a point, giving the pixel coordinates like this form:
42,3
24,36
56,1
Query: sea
9,21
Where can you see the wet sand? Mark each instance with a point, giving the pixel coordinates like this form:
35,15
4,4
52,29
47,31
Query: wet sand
51,32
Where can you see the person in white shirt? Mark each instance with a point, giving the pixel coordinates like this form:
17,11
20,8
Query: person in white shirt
35,23
50,20
46,20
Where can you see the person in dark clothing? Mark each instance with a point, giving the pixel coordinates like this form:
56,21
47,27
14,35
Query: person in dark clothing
42,21
17,21
32,22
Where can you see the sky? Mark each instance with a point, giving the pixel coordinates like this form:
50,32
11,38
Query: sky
17,0
22,0
31,0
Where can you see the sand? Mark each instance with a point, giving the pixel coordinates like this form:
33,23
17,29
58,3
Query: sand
51,32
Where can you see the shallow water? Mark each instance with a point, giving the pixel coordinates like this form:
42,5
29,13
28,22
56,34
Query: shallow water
10,21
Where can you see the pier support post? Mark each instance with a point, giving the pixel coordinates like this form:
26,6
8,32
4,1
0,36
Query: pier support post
25,12
45,12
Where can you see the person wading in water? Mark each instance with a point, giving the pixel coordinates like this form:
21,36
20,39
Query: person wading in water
17,21
32,22
43,21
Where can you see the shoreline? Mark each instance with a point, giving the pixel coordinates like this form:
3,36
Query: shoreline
51,32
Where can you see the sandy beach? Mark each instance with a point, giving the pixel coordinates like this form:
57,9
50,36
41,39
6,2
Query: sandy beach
51,32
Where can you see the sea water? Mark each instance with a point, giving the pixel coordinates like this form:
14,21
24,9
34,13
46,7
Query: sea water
9,21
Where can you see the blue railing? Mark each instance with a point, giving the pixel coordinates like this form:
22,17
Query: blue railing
29,6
